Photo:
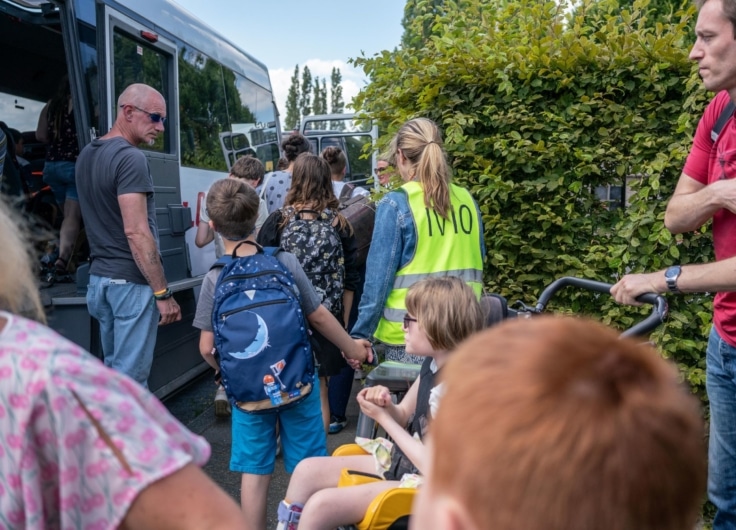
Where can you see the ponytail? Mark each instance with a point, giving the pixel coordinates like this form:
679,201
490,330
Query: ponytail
420,142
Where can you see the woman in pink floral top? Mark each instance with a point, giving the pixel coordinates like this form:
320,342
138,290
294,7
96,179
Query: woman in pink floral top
82,446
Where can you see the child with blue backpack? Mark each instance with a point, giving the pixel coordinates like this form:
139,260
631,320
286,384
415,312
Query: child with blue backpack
254,312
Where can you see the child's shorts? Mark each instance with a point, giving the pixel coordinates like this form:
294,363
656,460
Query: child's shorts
254,436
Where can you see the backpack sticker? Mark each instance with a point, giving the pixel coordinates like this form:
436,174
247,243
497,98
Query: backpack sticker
259,341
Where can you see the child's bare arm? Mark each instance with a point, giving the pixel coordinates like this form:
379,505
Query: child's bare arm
375,402
323,321
206,347
204,234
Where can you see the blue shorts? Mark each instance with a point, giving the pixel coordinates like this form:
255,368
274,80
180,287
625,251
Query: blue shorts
60,176
254,436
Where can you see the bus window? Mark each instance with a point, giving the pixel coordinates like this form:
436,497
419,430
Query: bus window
358,152
136,62
202,110
252,113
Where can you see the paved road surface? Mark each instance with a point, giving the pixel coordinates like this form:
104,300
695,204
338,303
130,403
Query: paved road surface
193,407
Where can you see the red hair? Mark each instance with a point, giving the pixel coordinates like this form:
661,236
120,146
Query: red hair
555,423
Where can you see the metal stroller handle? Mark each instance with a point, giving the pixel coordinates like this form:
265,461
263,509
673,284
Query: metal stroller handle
659,313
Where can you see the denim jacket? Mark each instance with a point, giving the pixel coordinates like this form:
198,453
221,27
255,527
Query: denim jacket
392,246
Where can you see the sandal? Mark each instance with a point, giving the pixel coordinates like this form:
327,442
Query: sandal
64,265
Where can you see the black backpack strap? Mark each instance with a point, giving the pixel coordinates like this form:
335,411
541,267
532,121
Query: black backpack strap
298,213
726,114
227,258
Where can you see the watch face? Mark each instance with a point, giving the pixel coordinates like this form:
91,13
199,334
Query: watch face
672,272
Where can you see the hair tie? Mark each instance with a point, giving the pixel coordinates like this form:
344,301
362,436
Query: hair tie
431,142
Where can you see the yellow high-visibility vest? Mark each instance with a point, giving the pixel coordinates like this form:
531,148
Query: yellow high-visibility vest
445,247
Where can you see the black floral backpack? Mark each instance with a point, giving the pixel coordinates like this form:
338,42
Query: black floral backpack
316,244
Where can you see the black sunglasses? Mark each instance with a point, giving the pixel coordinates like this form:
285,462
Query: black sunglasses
408,320
155,116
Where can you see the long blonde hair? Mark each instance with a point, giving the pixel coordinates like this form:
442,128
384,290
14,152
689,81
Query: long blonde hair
18,289
420,142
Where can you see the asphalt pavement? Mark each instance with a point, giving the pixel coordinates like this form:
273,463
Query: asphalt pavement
194,407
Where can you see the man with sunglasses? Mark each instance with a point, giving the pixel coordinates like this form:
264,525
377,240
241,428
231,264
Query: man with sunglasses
127,291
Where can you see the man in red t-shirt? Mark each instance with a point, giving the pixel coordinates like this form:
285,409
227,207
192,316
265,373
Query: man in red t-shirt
707,190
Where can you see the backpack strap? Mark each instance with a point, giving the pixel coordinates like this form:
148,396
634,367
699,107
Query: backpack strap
227,258
726,114
346,192
298,213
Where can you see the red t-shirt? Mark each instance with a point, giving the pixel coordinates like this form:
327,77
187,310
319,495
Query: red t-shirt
707,163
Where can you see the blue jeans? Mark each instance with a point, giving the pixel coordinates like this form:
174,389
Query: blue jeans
721,386
128,319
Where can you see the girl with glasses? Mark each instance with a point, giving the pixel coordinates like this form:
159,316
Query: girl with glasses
441,313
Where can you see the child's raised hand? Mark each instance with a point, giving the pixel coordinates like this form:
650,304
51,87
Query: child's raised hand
378,395
373,402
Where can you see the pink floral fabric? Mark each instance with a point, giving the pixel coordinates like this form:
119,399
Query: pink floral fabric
56,470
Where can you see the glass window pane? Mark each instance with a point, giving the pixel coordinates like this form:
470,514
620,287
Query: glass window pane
203,110
137,62
252,113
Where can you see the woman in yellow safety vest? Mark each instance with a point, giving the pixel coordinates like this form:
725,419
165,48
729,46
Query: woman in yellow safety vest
428,227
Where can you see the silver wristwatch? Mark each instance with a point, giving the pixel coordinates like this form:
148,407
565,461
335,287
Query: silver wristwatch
670,276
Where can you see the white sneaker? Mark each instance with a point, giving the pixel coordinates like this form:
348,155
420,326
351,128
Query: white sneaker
222,405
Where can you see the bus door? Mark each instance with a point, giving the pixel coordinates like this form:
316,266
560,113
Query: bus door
134,52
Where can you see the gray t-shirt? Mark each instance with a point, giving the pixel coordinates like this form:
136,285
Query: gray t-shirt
275,186
309,298
105,170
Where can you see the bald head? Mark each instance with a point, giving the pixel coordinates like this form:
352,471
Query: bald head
141,115
138,94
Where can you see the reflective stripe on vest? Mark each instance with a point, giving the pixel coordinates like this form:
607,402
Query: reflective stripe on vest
445,247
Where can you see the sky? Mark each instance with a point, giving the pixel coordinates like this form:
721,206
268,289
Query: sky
321,35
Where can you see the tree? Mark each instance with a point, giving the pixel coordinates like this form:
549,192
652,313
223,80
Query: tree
652,11
538,108
317,106
292,102
337,103
305,99
418,20
323,96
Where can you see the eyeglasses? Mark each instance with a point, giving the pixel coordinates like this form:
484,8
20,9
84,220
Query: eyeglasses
380,170
408,320
155,116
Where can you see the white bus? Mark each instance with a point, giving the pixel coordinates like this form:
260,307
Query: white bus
210,87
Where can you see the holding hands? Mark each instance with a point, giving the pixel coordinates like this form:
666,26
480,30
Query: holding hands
362,353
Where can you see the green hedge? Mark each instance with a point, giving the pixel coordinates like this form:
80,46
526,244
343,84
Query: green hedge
538,107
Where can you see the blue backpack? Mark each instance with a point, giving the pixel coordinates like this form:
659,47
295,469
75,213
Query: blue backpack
261,334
